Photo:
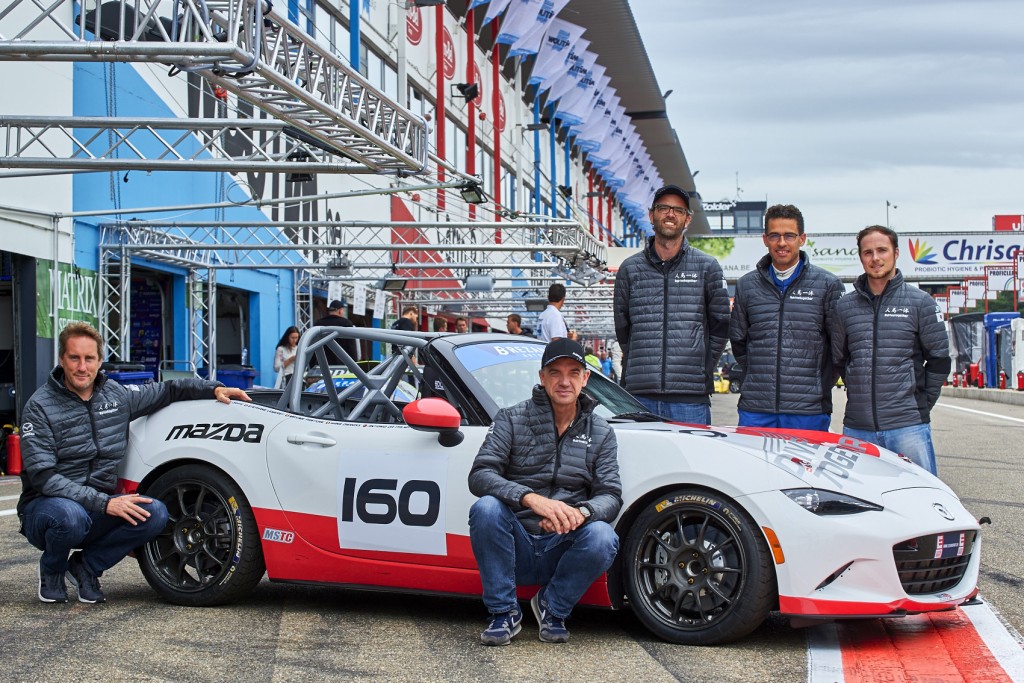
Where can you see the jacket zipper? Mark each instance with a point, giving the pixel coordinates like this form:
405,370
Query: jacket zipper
874,359
664,333
558,450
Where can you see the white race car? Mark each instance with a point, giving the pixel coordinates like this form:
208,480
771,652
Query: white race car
719,526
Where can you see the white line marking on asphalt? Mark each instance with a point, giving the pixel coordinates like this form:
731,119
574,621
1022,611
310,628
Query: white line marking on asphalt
980,412
10,497
1002,640
4,513
824,656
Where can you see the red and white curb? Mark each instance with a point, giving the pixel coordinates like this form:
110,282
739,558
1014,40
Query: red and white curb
972,644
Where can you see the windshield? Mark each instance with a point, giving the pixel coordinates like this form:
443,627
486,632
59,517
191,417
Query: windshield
509,371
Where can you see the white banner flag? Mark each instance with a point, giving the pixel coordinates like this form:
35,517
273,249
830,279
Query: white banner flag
358,298
379,304
975,289
559,40
335,291
957,298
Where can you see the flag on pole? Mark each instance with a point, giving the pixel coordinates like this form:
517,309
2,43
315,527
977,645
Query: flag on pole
541,13
493,10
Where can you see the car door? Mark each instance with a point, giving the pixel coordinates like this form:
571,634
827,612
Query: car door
376,494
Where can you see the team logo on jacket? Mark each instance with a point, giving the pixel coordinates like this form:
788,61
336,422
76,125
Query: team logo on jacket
582,439
896,312
218,431
686,276
107,408
802,294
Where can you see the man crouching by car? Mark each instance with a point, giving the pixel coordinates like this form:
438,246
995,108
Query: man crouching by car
548,480
74,436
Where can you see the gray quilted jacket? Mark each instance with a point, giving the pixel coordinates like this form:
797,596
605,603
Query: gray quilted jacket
672,322
522,454
783,344
71,448
895,351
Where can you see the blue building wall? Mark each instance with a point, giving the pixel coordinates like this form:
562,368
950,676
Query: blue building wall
119,90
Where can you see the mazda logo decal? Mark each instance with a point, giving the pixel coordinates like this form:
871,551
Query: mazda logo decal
941,509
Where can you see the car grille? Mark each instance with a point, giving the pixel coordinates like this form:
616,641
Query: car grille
925,568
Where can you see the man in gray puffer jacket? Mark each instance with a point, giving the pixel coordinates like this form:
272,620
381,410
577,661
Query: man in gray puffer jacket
782,318
671,316
893,346
548,480
74,436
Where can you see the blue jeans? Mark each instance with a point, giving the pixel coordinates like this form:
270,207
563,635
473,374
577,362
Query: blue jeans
564,565
690,413
58,525
914,442
818,423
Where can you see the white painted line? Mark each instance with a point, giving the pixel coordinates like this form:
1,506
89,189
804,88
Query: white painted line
1002,640
980,412
4,513
824,656
10,497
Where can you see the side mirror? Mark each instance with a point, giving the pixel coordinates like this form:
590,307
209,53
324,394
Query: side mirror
435,415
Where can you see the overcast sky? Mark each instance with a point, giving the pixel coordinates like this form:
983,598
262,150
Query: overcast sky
838,107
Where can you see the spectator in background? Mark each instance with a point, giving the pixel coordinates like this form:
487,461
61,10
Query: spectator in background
284,357
782,319
593,361
550,322
671,316
615,354
440,324
574,336
891,343
606,363
335,318
461,325
409,321
514,322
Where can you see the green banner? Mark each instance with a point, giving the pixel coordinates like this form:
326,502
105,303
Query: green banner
77,298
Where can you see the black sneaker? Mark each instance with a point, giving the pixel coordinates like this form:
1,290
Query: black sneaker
552,628
503,628
86,582
52,587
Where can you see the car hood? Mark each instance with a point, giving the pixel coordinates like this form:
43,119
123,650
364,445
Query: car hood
818,459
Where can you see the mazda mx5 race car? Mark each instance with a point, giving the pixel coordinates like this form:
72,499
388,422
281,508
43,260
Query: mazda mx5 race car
355,486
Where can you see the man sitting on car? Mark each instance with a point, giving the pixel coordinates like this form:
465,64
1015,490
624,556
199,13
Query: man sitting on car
548,480
74,436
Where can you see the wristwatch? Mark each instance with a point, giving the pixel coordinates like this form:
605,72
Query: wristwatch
584,510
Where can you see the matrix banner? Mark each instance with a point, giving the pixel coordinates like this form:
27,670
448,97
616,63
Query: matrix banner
922,256
77,300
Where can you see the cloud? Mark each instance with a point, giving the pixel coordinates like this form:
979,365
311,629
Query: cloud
880,98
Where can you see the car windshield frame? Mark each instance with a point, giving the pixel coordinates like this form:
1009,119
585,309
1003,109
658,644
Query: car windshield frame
486,366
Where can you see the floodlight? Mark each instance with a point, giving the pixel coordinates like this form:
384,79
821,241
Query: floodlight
472,192
340,267
470,91
392,283
536,305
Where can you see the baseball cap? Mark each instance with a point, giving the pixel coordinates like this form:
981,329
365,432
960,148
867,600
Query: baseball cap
672,189
562,348
335,305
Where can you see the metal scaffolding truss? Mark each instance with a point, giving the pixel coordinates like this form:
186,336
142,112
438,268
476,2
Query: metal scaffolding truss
162,144
245,47
524,252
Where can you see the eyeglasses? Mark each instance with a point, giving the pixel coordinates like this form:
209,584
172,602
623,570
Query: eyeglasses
665,209
789,237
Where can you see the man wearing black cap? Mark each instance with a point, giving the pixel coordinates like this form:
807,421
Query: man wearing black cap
671,316
335,318
548,480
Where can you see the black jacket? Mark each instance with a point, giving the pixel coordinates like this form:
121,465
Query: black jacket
783,344
672,322
894,351
522,454
72,448
349,345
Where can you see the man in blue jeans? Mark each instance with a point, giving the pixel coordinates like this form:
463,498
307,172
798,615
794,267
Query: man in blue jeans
548,479
892,346
74,436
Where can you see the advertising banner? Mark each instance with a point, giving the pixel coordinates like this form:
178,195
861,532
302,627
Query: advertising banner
957,298
1007,223
943,303
922,257
77,292
975,289
1000,278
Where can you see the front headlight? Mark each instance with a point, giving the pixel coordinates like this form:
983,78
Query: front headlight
822,502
